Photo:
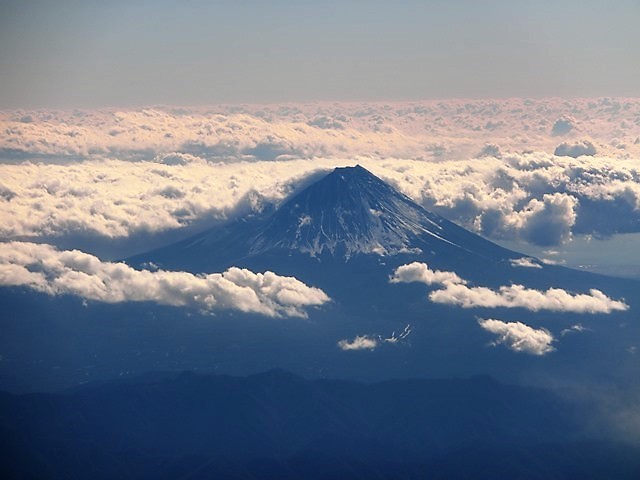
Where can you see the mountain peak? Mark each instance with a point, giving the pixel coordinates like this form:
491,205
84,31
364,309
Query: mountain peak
356,170
349,177
349,211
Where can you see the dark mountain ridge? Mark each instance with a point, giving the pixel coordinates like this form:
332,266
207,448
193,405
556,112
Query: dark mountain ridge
194,426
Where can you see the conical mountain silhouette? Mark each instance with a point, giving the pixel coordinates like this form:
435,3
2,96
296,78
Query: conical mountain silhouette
347,213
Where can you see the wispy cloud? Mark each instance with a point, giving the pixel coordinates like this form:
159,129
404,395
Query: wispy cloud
372,341
54,272
577,328
525,262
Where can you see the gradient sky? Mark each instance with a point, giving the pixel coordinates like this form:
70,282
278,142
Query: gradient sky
128,53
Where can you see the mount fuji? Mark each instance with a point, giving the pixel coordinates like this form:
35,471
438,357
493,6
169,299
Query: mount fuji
348,213
347,234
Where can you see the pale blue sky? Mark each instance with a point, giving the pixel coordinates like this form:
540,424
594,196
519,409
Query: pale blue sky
130,53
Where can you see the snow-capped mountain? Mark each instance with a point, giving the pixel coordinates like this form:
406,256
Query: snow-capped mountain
348,212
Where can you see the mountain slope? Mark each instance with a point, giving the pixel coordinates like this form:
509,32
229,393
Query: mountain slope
347,213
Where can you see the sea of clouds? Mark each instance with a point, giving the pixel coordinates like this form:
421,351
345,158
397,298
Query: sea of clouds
536,171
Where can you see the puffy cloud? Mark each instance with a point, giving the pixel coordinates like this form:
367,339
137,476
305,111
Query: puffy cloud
118,199
380,130
548,222
534,197
360,342
525,262
218,134
562,126
518,296
575,150
455,291
46,269
490,150
545,221
519,337
420,272
371,342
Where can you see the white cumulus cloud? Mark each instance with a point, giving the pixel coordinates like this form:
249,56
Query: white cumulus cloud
420,272
43,268
360,342
518,296
525,262
575,150
455,291
519,337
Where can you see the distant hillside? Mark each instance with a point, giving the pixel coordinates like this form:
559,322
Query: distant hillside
277,425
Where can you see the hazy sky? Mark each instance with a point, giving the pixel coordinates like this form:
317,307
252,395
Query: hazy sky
98,53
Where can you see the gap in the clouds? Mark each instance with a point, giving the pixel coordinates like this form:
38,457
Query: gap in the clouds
616,255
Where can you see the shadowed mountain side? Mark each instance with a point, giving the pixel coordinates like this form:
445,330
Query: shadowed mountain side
277,425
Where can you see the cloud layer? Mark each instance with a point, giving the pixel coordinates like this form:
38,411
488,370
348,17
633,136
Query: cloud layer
531,197
120,173
451,129
455,291
519,337
54,272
